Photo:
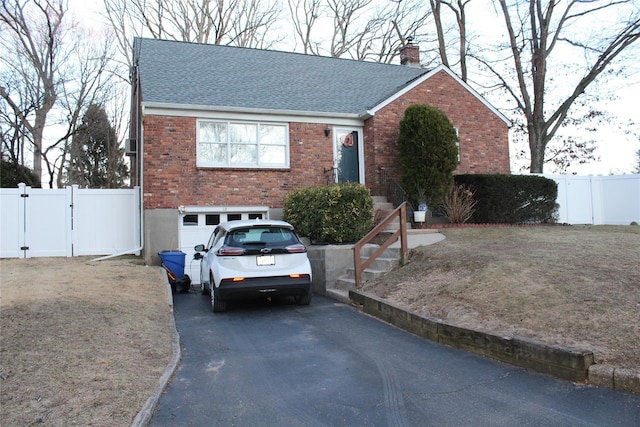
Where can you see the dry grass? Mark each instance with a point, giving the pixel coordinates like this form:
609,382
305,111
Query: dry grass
577,286
85,343
82,342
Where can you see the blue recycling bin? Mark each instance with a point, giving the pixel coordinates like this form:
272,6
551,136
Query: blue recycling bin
174,261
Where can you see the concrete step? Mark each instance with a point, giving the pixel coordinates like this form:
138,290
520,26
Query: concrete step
393,226
367,274
339,289
382,264
389,253
344,283
383,206
338,295
379,199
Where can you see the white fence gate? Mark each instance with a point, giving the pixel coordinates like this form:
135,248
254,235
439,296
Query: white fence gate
598,200
68,222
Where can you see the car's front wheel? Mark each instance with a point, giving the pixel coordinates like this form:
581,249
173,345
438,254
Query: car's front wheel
204,287
217,304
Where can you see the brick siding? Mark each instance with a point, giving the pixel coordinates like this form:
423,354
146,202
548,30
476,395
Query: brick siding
484,144
171,177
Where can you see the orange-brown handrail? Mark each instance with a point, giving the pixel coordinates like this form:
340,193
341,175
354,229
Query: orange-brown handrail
359,264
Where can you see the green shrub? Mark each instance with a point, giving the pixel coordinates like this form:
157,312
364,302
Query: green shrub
512,199
338,213
11,175
428,153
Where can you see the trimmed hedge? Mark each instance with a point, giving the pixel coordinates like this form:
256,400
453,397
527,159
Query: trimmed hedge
512,199
337,213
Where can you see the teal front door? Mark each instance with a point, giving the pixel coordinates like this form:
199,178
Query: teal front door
347,155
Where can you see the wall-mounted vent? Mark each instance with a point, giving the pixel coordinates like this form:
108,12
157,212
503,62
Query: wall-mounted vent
130,146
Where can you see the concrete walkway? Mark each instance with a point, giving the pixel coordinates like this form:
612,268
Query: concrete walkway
420,237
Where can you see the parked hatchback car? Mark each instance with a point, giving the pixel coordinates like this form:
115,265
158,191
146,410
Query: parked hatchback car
254,258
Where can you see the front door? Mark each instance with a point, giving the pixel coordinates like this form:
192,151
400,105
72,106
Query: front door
347,155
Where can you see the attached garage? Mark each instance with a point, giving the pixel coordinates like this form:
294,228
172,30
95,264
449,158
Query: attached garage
196,223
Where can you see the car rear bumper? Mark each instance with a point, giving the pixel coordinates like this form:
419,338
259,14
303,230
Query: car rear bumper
264,287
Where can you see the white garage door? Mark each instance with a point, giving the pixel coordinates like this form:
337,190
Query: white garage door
197,224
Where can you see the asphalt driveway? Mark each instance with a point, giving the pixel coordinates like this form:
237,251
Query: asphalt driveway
275,363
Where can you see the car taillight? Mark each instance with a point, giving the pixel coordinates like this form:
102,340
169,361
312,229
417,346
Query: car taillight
298,276
230,250
232,280
296,249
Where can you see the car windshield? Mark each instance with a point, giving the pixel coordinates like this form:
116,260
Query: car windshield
261,236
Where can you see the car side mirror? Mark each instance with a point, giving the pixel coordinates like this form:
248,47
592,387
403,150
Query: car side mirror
199,248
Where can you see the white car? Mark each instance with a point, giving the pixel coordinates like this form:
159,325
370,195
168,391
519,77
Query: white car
254,258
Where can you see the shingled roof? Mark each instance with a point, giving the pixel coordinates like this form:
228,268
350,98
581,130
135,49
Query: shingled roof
190,74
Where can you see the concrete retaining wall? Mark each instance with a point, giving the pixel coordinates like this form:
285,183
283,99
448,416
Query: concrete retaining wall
328,262
566,363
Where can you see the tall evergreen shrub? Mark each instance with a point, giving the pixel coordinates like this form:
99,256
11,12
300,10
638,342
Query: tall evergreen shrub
428,153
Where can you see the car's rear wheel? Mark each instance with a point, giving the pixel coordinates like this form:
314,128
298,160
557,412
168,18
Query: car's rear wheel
217,304
304,299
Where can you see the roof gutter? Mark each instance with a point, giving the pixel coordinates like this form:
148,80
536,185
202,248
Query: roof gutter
163,108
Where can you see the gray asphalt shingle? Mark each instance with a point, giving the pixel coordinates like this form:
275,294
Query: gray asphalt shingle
223,76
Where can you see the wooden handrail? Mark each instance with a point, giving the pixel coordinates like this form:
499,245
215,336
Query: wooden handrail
359,264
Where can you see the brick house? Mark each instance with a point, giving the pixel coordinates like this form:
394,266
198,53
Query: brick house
222,132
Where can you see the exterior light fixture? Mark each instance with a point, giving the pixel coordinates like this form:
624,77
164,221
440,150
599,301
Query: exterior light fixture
327,131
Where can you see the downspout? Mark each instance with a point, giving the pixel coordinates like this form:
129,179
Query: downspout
140,171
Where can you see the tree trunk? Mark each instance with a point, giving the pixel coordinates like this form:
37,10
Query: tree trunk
537,147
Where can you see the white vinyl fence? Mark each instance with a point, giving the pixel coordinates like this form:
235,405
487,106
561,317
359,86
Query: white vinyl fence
75,222
68,222
613,200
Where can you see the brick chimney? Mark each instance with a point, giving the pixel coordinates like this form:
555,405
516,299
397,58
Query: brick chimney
410,54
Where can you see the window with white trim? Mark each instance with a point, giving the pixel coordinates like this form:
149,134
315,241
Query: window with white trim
242,144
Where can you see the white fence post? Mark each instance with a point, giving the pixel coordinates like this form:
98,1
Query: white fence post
22,218
74,219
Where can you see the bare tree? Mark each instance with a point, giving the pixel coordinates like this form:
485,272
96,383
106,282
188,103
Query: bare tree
364,32
88,81
234,22
360,29
400,20
32,31
244,23
304,16
345,33
253,22
542,34
458,8
121,18
53,69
